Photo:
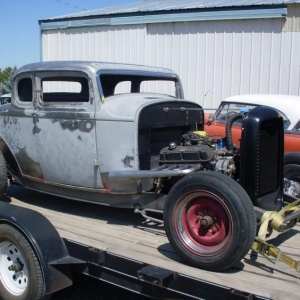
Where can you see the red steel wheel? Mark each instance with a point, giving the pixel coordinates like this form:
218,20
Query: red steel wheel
209,220
203,223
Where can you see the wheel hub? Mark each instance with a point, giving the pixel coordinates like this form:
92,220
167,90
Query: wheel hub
17,266
206,221
13,272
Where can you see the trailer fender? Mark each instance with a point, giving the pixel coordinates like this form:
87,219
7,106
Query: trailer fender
49,247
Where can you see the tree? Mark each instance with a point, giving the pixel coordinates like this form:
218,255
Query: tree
4,75
6,79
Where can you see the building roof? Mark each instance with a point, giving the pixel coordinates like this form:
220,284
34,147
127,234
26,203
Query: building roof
151,6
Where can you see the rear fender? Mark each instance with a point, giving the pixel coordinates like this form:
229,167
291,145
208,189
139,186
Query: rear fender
10,159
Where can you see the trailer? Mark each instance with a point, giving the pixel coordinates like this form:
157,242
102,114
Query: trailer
119,247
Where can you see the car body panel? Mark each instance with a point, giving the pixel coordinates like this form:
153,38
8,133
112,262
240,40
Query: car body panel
65,142
17,131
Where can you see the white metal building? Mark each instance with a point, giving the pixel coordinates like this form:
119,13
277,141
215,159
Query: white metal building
219,48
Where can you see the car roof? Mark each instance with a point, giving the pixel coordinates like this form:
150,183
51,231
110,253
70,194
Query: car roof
90,66
287,104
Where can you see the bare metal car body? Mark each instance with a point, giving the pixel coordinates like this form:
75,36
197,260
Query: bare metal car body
84,145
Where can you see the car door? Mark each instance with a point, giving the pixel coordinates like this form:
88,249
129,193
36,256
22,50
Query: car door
66,134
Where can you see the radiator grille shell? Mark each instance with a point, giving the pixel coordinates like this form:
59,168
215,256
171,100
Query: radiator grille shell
262,157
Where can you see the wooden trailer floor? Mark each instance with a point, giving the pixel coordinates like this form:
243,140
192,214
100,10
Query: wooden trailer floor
122,232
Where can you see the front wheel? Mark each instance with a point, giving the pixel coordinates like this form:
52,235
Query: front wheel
20,272
209,220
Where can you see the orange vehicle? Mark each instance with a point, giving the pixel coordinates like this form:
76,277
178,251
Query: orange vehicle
287,106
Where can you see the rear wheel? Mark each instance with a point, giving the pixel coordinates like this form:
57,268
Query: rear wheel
209,220
20,272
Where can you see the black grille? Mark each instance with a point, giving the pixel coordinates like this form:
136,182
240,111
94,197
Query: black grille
267,158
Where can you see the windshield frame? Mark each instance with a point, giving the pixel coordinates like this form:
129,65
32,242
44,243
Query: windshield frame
140,77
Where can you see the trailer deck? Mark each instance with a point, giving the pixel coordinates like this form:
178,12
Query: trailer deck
125,234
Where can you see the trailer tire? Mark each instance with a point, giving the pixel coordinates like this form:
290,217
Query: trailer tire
3,175
209,220
292,166
20,272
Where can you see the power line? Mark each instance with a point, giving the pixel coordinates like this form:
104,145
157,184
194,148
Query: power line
70,5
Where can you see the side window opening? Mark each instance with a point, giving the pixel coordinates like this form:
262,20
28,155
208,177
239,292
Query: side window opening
25,90
65,89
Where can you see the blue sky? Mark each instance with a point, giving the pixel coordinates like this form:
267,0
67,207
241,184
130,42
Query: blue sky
19,28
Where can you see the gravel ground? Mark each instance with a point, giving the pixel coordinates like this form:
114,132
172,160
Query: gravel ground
85,287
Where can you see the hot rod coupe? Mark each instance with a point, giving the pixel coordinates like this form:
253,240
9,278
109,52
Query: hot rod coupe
123,135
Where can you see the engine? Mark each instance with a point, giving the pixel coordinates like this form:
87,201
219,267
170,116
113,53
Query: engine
196,147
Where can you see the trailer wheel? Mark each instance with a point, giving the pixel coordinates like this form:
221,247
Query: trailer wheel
3,175
292,166
20,272
209,220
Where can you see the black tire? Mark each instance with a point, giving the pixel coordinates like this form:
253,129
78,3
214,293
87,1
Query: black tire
3,175
292,166
215,199
25,281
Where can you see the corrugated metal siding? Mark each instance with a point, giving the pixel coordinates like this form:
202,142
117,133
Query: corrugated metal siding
105,43
214,59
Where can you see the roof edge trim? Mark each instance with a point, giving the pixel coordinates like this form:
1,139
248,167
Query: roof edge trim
261,13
